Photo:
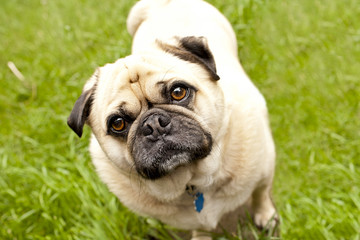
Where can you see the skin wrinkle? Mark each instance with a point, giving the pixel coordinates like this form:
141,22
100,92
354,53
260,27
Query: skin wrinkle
140,93
189,125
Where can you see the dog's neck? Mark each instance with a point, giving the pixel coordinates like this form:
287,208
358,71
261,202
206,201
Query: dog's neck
197,196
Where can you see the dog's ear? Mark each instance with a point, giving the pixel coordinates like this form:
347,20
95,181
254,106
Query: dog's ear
195,50
81,109
199,47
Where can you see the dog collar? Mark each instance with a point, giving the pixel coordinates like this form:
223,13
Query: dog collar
197,196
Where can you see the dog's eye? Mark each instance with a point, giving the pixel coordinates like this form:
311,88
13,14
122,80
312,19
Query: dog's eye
179,93
117,124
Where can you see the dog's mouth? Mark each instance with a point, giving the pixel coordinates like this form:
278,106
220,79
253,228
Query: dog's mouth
162,163
159,162
164,142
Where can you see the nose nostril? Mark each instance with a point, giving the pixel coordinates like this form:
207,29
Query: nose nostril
147,130
164,121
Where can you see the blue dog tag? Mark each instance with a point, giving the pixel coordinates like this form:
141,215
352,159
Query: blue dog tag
199,202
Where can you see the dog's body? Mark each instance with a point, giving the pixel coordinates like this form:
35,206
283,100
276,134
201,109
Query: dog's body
221,144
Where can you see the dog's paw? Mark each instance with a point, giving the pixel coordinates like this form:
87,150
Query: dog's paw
200,235
266,219
201,238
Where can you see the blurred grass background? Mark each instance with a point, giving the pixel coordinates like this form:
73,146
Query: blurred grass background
303,55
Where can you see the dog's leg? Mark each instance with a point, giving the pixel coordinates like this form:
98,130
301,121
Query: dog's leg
264,212
198,235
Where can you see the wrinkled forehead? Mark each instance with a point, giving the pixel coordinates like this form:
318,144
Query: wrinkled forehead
131,83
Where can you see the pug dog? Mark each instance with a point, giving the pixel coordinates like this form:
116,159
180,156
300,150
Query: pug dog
179,132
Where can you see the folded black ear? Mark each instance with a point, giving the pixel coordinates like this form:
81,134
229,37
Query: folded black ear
80,112
81,109
195,50
199,47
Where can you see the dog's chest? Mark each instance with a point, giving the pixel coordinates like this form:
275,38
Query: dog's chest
197,196
197,209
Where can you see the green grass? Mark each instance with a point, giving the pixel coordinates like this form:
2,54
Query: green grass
303,55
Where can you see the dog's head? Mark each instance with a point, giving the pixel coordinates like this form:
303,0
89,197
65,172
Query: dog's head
158,110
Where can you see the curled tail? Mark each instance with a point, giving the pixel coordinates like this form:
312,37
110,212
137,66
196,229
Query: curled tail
140,12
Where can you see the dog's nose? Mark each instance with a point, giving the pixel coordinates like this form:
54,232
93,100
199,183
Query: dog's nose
156,125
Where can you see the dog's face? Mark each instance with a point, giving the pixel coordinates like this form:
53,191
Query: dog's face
155,111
